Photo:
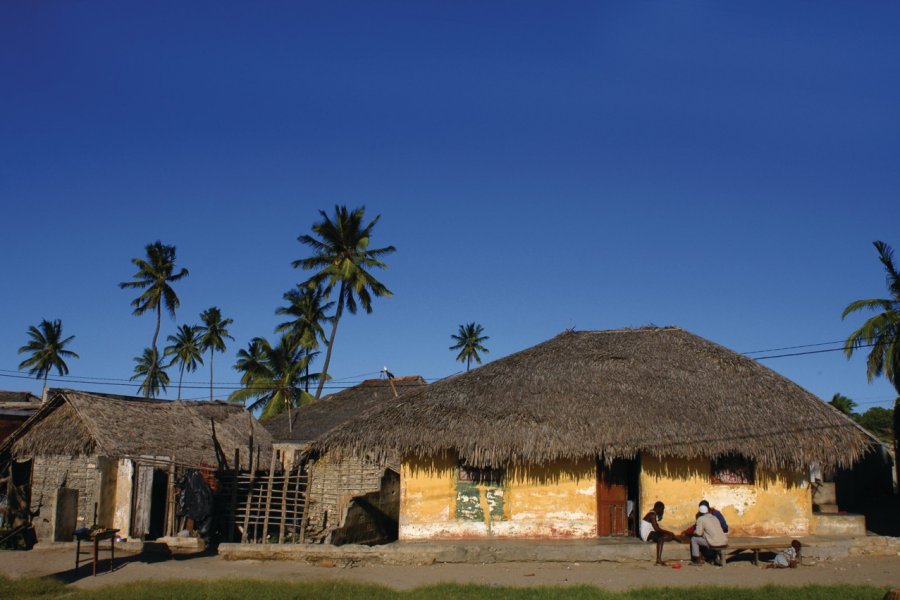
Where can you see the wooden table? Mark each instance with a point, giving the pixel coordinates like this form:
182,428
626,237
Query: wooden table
96,536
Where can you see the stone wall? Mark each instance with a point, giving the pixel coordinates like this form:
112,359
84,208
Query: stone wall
332,485
80,473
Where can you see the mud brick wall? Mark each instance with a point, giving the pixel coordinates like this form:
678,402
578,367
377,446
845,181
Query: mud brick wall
333,484
81,473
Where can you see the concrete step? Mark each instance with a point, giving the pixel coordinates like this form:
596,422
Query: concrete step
828,508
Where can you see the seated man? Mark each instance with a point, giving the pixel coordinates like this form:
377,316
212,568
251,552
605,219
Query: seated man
707,534
651,531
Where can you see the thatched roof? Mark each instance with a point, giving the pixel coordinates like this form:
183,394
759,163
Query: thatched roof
190,433
661,391
312,420
19,401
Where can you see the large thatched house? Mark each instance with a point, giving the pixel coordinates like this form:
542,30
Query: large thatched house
570,437
354,499
112,461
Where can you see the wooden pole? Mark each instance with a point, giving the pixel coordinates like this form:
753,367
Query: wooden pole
269,487
170,502
249,499
305,514
234,494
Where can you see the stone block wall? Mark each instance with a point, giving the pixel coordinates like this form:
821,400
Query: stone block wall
81,473
333,484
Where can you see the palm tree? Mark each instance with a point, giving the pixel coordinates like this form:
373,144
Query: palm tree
154,275
47,348
468,341
273,376
308,307
213,334
341,257
843,404
882,334
151,369
185,350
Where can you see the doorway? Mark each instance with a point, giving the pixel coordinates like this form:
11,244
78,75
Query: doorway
617,495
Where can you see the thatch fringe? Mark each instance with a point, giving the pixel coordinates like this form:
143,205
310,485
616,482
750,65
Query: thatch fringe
661,391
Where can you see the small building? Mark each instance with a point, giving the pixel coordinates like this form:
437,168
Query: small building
113,461
15,409
344,495
578,436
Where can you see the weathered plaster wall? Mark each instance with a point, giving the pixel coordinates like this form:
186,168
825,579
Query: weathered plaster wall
555,501
81,473
123,496
779,503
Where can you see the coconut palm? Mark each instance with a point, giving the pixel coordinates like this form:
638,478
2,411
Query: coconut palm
273,376
48,349
342,258
149,367
881,333
184,350
154,275
468,341
843,404
213,334
308,307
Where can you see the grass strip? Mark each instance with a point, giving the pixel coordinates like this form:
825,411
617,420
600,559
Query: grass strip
46,588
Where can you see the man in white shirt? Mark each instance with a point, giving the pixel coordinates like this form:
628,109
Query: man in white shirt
707,534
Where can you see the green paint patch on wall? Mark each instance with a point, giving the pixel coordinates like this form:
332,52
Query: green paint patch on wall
472,499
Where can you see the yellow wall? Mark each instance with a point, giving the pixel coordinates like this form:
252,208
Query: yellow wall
554,501
779,503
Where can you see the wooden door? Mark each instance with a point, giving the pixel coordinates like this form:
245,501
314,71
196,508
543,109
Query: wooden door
66,518
612,499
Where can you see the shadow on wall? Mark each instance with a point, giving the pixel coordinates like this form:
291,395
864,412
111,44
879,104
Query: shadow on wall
551,473
692,469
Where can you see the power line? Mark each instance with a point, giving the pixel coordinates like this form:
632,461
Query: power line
792,347
810,352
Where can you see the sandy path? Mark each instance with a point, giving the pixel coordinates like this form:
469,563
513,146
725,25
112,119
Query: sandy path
879,571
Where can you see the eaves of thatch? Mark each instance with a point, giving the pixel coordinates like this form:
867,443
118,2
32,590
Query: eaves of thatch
189,433
310,421
609,394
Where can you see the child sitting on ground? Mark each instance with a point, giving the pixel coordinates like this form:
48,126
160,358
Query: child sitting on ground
788,558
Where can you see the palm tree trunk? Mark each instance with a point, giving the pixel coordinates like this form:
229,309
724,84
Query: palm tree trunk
44,390
337,317
211,355
180,377
152,371
468,363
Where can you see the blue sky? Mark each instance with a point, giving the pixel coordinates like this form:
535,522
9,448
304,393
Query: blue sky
538,166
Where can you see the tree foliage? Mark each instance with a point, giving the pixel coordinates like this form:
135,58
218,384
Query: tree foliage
469,340
185,350
213,333
154,275
342,258
149,369
273,376
47,348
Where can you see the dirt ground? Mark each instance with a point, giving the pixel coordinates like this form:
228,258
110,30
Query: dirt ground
59,562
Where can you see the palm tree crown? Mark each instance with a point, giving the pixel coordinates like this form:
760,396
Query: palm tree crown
213,333
184,350
154,275
273,376
882,331
882,334
469,343
307,307
47,348
342,258
150,368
